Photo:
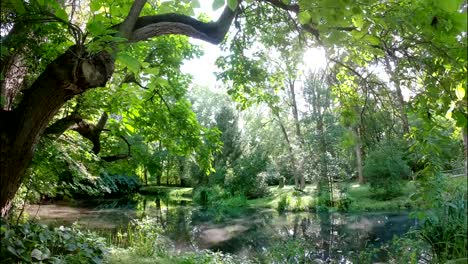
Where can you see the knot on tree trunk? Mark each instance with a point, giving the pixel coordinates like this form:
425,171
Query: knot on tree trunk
96,69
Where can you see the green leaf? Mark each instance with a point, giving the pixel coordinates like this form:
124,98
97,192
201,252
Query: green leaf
449,5
153,71
130,128
130,62
304,17
18,6
460,92
217,4
60,13
95,6
286,2
232,4
161,82
372,40
195,4
358,21
460,118
37,254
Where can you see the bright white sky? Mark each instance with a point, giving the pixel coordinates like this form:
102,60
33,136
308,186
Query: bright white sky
203,69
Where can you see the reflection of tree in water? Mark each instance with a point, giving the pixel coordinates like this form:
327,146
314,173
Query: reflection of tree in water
287,238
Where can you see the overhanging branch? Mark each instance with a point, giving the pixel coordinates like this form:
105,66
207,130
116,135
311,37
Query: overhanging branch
151,26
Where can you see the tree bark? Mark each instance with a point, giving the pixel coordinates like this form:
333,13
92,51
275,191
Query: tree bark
401,105
465,146
73,73
20,130
358,150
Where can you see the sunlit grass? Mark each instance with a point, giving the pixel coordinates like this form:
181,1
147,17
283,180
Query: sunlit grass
271,201
363,199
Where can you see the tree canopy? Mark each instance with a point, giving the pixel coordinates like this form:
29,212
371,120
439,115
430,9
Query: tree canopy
54,54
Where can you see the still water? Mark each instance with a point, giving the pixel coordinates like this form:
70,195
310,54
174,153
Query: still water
324,236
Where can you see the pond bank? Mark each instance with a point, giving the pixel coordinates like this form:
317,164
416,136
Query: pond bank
254,234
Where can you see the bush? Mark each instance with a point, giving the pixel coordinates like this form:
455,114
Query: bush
445,229
31,242
106,185
208,195
384,169
344,203
249,176
283,203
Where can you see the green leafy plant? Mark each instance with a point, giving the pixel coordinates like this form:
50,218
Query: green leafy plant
445,229
31,242
384,169
283,203
105,185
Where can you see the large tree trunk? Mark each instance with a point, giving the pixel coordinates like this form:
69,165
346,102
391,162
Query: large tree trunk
22,128
73,73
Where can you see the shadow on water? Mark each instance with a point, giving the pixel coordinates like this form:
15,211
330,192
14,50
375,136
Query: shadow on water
325,236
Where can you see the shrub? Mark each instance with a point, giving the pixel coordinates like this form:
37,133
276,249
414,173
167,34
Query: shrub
384,169
105,185
207,195
249,176
283,203
344,203
32,242
445,229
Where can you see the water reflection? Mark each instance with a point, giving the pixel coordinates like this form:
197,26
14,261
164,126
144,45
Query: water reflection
308,237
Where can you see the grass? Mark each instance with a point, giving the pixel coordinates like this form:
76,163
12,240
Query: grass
173,192
361,195
271,201
124,256
364,200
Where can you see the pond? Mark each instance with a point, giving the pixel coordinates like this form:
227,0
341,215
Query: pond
318,236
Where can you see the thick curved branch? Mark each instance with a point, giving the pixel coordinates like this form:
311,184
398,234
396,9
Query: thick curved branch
151,26
62,125
84,128
280,4
87,130
127,26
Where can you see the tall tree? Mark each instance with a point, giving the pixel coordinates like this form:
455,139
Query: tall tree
81,67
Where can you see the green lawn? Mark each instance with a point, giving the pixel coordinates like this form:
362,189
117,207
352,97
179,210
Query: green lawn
173,192
361,196
271,201
363,199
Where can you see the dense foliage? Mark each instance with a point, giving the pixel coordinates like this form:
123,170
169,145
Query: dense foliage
319,106
35,243
385,170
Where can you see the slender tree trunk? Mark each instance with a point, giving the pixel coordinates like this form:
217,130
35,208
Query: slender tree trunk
295,112
299,161
465,144
401,105
293,162
358,150
167,171
145,175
